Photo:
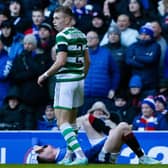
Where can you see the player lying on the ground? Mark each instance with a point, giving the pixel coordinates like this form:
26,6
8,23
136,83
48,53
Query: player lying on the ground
104,150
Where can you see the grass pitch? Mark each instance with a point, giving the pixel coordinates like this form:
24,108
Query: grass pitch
81,166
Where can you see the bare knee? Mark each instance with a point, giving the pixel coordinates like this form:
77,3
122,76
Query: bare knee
124,127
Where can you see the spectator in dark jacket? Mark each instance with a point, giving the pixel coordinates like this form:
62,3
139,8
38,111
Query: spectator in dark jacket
143,59
83,15
138,15
16,16
118,52
135,92
99,24
24,73
14,115
46,39
123,108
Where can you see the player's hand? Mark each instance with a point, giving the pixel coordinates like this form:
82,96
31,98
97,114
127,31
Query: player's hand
41,79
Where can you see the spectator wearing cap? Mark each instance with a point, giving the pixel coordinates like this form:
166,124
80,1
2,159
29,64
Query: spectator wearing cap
46,39
161,104
143,58
147,120
118,52
99,24
24,73
135,91
161,107
46,44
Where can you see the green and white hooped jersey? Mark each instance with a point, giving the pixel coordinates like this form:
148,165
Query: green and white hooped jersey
75,43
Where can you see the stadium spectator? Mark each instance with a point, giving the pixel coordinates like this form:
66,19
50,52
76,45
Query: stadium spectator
161,105
163,44
121,106
161,108
147,120
83,15
103,76
138,15
13,41
30,5
118,52
14,114
48,120
113,8
128,35
135,92
97,5
46,38
24,73
16,16
37,18
99,24
143,57
163,16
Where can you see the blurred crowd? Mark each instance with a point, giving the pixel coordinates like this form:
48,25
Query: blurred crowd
128,48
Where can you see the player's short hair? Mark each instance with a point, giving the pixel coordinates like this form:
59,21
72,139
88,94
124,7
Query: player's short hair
66,10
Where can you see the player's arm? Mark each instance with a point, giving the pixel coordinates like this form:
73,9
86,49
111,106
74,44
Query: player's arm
60,62
98,124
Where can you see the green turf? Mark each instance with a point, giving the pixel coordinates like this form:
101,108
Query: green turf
83,166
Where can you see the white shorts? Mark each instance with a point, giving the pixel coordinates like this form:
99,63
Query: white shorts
69,95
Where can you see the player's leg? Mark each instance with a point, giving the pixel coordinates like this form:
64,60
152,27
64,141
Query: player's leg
117,137
113,144
64,102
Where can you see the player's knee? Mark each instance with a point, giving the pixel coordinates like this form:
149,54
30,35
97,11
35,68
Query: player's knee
123,126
